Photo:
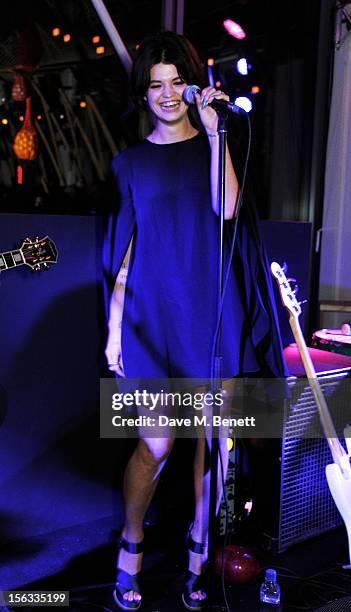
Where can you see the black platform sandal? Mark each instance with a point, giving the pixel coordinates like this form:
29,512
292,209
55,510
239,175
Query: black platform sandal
127,582
195,582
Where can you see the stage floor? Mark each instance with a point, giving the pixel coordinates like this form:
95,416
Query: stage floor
310,573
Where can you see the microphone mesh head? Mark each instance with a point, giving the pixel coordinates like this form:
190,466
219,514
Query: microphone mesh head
189,93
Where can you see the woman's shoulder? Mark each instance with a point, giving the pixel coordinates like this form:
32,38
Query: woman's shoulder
127,156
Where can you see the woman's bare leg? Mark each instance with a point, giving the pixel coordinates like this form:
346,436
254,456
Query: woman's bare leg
140,481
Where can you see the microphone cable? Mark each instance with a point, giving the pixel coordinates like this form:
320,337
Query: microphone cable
231,253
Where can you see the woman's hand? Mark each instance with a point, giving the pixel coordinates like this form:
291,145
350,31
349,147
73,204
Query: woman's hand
208,115
113,352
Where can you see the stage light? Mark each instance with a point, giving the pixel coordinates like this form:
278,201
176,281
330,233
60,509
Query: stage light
244,103
66,38
100,50
39,117
210,76
242,66
230,444
210,61
62,116
255,89
96,39
234,29
4,121
82,104
56,32
19,175
218,83
21,118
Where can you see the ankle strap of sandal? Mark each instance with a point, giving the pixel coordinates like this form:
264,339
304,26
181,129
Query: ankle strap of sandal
135,548
196,547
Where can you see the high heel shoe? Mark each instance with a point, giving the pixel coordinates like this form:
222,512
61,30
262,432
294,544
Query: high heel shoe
127,582
195,582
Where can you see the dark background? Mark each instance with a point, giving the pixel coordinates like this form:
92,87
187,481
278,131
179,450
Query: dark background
281,47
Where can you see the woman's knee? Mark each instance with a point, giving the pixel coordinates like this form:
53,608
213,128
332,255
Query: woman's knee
155,450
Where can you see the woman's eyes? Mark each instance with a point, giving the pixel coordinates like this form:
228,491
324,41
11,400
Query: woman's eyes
157,85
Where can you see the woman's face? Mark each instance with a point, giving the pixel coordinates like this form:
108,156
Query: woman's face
164,96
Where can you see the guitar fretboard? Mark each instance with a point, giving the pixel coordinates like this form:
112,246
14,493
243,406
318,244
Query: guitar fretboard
10,259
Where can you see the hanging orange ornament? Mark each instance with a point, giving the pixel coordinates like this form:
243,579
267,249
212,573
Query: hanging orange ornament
19,89
26,140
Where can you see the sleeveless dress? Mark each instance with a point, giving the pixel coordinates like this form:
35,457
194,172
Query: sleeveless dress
170,315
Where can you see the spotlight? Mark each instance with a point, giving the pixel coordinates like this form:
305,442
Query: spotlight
218,83
210,61
4,121
66,38
255,89
100,50
242,66
56,31
96,39
244,103
21,118
230,444
39,117
82,104
234,29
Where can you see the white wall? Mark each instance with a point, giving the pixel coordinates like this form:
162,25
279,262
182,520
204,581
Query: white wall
335,274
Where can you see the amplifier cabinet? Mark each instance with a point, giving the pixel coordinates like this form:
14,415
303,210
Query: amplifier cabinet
291,498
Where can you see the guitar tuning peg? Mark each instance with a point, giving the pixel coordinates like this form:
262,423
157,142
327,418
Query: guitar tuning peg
296,289
303,302
285,267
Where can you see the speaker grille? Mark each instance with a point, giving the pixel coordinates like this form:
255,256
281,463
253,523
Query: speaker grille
341,605
307,508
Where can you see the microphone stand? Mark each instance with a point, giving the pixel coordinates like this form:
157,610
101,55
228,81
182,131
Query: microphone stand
216,381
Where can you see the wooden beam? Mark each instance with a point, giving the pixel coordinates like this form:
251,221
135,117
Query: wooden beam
114,36
173,15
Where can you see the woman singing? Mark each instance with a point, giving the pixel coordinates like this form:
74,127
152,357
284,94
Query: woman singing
162,321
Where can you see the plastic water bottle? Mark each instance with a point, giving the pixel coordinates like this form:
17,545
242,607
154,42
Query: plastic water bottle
270,590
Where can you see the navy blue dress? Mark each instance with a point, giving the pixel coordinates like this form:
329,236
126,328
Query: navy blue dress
169,315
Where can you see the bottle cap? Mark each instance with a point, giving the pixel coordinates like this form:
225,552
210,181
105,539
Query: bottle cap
271,575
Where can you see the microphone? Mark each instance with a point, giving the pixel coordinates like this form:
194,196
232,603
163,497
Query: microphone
219,105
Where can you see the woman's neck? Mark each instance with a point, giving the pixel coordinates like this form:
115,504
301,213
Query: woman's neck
165,133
